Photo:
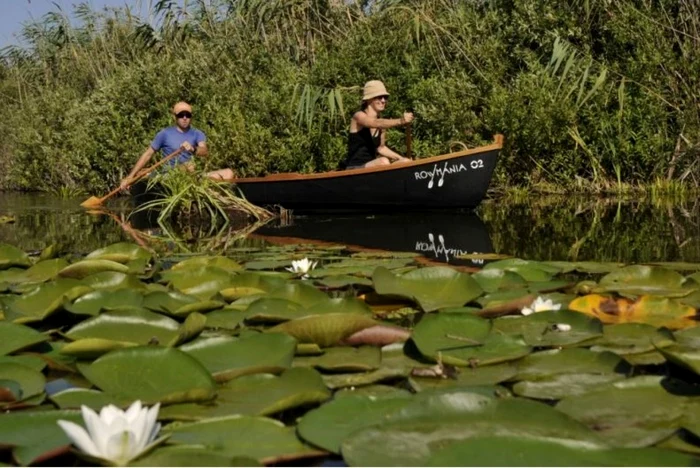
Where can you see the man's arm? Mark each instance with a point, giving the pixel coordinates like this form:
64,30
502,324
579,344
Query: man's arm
143,160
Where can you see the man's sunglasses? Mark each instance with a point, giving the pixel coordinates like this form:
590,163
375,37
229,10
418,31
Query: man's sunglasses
184,115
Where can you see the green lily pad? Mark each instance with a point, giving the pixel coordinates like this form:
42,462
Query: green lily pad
215,261
464,339
45,299
585,267
228,319
77,397
529,270
228,358
329,425
644,279
636,412
552,362
40,272
14,337
138,326
541,328
626,339
274,310
121,252
84,268
419,430
30,380
113,280
556,387
11,256
300,293
342,281
190,456
34,435
28,360
493,279
151,374
343,359
95,302
263,439
190,329
167,302
325,330
199,306
488,450
92,348
468,377
202,282
257,395
432,287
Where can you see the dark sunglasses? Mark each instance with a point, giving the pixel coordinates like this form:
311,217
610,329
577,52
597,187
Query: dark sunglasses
382,98
184,115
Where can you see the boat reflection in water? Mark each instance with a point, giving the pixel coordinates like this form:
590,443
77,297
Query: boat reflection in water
438,236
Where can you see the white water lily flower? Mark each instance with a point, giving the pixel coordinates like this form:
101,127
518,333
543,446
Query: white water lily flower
540,305
115,436
302,266
562,327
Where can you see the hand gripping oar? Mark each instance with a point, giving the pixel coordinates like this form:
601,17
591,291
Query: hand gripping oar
95,201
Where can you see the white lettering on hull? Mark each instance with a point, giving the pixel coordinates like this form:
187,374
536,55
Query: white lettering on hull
441,251
447,169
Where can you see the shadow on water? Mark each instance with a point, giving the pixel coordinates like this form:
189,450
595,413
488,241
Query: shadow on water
537,228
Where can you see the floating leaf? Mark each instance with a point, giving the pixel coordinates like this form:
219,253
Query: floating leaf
432,287
12,256
138,326
34,435
151,374
656,311
45,299
343,359
201,261
84,268
15,337
121,252
257,395
542,328
226,358
325,330
95,302
493,279
202,282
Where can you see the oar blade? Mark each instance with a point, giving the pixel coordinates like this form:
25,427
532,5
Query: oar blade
91,202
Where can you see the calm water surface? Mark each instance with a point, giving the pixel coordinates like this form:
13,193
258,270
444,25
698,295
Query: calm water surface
539,228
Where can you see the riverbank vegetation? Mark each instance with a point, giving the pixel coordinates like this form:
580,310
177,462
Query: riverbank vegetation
591,95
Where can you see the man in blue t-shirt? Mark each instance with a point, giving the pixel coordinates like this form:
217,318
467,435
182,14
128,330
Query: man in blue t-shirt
181,135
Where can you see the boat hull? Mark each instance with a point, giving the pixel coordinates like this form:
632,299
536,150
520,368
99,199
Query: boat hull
456,180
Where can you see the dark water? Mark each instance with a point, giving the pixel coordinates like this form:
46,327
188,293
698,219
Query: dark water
538,228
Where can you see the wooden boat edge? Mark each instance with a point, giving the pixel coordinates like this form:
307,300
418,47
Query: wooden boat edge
295,176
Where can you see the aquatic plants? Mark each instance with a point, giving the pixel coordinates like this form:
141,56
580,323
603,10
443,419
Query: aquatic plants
591,95
236,354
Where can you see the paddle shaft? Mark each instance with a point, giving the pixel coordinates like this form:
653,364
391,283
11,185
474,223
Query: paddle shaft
409,137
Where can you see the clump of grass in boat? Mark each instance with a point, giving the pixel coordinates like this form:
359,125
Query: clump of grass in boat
190,196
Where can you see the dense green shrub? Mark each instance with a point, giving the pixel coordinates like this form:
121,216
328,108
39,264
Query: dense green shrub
596,91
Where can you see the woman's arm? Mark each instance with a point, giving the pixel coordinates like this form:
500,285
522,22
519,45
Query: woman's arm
374,122
384,150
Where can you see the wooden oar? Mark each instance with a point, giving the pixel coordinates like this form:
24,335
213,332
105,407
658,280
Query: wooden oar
95,201
409,137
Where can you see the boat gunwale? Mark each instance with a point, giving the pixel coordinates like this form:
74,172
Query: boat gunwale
295,176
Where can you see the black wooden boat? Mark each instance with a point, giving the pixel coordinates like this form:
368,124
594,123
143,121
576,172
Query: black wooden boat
454,180
440,236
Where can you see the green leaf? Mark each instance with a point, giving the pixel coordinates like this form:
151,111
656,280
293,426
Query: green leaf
151,374
138,326
343,359
325,330
432,287
227,358
95,302
121,252
34,435
85,268
12,256
15,337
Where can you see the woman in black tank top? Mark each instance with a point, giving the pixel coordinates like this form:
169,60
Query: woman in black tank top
366,142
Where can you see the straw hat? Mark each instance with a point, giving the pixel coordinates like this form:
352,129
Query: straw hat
182,106
372,89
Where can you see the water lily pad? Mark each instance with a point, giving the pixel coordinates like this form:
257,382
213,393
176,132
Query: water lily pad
121,252
329,425
644,280
45,299
343,359
637,412
190,329
300,293
325,330
260,438
199,306
28,360
113,280
342,281
493,279
463,339
585,267
14,337
568,361
77,397
274,310
228,319
151,374
95,302
257,395
12,256
91,348
38,273
656,311
138,326
224,263
190,456
541,329
31,381
627,339
416,432
227,358
529,270
84,268
202,282
468,377
432,287
487,450
167,301
34,435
